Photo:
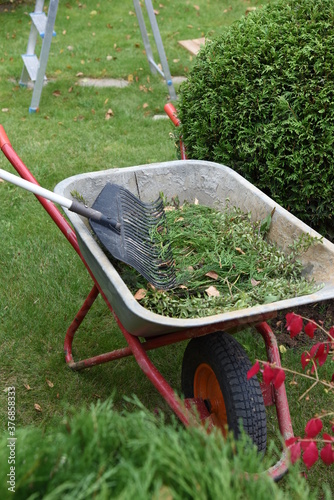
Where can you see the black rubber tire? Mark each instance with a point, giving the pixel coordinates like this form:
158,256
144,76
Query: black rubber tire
230,364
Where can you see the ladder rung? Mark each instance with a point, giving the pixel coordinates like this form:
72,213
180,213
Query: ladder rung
39,19
31,62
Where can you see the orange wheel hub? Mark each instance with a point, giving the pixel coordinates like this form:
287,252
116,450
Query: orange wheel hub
206,387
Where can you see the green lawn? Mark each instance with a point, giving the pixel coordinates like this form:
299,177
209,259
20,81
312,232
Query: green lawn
43,282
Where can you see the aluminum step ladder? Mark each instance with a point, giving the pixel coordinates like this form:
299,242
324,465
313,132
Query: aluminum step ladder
34,68
164,72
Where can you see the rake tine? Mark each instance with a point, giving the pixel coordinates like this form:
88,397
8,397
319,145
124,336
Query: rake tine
138,242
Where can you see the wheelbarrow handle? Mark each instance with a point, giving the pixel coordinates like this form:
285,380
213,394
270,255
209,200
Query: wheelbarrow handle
172,113
72,205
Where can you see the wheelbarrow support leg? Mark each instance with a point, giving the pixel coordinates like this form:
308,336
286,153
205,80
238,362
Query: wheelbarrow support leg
155,377
76,323
280,399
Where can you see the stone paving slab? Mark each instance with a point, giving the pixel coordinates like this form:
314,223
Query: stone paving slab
116,82
103,82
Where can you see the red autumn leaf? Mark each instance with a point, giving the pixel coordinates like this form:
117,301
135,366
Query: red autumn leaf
309,329
305,359
314,349
331,333
254,370
310,455
295,452
268,374
322,353
332,379
327,454
294,324
318,353
305,444
313,427
291,441
279,378
327,437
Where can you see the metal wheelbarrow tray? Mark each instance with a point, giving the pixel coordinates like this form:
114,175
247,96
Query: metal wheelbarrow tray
212,184
143,330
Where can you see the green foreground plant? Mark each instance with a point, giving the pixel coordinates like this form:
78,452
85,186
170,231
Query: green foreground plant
105,454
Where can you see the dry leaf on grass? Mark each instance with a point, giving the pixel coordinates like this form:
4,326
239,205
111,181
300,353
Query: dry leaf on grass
212,291
240,251
50,384
140,294
37,407
109,114
249,9
212,274
27,386
255,282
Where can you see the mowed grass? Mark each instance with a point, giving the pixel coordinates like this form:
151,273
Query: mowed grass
43,282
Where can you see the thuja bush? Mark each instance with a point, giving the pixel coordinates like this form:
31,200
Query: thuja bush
103,454
260,99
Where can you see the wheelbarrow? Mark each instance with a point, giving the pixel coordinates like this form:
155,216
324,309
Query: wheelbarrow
215,366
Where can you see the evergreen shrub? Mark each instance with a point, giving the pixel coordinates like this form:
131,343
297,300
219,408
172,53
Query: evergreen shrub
260,99
102,454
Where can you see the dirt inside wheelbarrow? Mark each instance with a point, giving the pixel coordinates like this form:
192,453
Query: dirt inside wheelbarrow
322,313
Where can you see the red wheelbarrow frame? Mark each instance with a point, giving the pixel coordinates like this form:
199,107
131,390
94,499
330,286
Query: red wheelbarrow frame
137,348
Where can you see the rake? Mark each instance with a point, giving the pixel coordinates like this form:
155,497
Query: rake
133,232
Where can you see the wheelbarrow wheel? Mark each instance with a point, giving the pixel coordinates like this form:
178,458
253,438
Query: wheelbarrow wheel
215,369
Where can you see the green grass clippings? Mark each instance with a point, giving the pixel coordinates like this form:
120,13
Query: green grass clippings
223,263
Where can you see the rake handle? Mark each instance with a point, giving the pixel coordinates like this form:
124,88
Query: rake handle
73,206
97,216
